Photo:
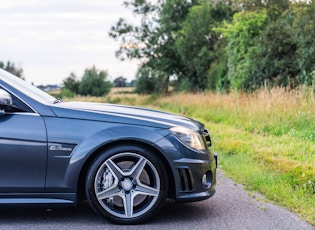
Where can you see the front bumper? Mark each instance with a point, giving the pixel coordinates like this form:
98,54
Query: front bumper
196,179
193,173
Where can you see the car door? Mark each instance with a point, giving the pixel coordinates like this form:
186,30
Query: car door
23,150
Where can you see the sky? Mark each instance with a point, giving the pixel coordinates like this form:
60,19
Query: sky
49,39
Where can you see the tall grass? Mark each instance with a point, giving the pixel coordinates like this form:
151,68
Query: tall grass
265,140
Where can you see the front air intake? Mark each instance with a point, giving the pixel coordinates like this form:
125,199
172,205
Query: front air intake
185,180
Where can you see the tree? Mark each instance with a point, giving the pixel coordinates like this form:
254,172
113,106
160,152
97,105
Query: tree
275,62
153,41
175,38
149,81
11,68
196,41
134,39
303,26
275,7
270,42
241,48
94,83
285,55
71,83
194,44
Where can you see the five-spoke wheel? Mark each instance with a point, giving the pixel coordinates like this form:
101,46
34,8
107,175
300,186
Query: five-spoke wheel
127,184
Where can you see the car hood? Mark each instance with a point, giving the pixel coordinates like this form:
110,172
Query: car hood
122,114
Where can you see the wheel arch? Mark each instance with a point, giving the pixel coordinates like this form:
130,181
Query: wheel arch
84,170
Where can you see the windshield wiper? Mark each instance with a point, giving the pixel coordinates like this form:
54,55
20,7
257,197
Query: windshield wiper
58,100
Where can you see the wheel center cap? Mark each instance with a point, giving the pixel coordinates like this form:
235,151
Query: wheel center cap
127,185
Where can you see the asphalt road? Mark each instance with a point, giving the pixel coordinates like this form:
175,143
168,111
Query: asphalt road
230,208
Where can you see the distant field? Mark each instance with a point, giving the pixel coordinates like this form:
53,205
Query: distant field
116,96
265,140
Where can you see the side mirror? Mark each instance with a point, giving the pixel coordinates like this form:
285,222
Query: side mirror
5,98
5,101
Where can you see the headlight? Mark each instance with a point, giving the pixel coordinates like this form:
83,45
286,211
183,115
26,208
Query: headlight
189,137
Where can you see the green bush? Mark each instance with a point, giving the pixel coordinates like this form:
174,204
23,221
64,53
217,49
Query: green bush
94,83
66,93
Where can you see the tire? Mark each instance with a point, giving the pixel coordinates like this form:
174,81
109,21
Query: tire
127,184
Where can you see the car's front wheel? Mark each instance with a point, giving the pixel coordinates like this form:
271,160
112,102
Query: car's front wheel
127,184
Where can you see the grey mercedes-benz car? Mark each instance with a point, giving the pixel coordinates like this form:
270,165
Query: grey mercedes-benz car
124,160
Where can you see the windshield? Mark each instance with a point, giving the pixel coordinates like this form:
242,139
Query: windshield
26,88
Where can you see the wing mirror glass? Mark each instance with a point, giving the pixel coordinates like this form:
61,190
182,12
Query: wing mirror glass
5,98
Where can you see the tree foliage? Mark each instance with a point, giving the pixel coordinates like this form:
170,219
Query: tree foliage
72,83
303,33
220,45
153,41
11,68
277,51
93,83
276,62
147,81
194,44
242,48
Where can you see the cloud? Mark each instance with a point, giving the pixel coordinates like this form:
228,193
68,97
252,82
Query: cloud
50,39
